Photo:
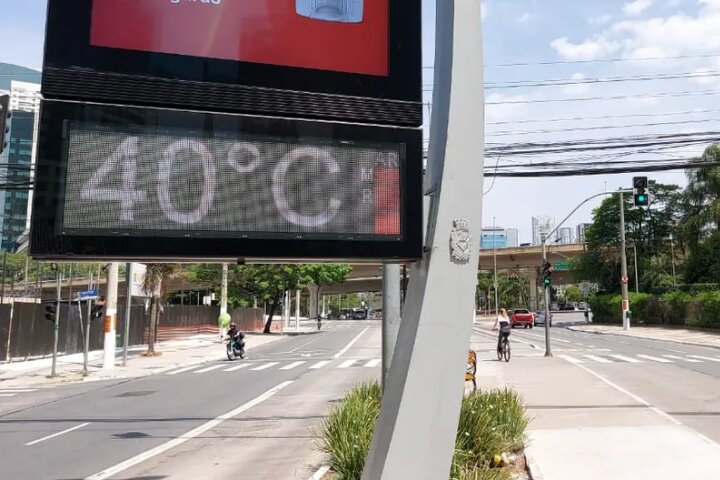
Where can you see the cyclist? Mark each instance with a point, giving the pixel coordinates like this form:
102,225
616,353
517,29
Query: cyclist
505,328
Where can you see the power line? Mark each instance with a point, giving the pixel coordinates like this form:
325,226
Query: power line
604,117
601,127
615,97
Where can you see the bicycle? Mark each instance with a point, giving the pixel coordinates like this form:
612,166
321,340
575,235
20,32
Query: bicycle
504,349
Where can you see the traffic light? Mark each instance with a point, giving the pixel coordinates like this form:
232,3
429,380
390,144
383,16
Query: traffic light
50,310
96,312
4,121
547,274
640,193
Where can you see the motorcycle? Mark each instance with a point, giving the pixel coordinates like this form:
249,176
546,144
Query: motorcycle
235,349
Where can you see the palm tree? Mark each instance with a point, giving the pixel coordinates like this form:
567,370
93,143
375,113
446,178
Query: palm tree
156,275
702,197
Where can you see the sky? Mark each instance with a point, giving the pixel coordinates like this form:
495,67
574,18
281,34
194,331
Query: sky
535,33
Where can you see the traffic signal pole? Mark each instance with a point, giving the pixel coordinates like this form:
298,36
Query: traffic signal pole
623,266
110,317
548,349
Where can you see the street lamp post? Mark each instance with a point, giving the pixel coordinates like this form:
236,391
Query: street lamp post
672,257
495,284
623,266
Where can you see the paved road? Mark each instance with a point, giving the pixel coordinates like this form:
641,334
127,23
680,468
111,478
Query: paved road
682,381
228,416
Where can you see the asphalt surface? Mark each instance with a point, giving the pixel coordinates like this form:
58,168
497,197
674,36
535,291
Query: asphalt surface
681,380
77,431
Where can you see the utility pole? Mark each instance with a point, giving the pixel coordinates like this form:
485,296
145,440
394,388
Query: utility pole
546,299
223,299
110,317
86,346
672,257
495,285
56,323
297,310
391,315
128,304
623,266
637,285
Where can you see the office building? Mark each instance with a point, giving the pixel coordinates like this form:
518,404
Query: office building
493,236
541,226
512,236
16,164
566,235
582,232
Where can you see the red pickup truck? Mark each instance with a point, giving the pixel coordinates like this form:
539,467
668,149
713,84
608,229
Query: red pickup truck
522,317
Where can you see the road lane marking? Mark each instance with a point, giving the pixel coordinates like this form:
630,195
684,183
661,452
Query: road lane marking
349,345
320,474
598,359
34,442
318,337
210,368
238,367
571,359
625,359
7,394
705,358
17,390
373,363
541,337
160,449
186,369
291,366
675,357
347,363
320,364
265,366
655,359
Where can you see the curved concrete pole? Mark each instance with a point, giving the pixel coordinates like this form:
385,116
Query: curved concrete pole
415,435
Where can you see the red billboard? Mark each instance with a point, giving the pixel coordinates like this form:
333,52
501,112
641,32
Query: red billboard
349,36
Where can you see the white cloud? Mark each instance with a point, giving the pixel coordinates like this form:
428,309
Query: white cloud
484,10
505,111
591,49
579,88
524,18
637,7
600,20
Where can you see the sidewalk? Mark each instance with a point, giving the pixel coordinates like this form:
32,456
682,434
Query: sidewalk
583,427
189,351
667,334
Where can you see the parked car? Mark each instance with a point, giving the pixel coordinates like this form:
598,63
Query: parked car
582,306
540,318
359,314
567,306
522,317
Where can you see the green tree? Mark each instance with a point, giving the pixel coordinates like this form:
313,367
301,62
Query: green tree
573,293
702,197
155,286
323,274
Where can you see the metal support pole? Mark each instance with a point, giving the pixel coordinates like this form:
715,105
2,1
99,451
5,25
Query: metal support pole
223,298
391,315
4,270
86,345
56,324
128,305
110,317
623,266
546,299
637,283
297,310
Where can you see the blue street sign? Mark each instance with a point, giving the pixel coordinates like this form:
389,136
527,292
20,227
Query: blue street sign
88,294
481,297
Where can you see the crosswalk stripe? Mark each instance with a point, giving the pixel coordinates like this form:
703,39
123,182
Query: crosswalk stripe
675,357
238,367
705,358
291,366
7,394
625,359
346,363
598,359
210,368
265,367
570,359
372,363
18,390
319,364
186,369
655,359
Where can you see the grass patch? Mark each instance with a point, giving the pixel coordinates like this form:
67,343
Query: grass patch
491,423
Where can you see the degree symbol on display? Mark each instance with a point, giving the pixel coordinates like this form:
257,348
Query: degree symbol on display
278,187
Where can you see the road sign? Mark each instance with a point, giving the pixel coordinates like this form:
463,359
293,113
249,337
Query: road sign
88,294
562,266
625,279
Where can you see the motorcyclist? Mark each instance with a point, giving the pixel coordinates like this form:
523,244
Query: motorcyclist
236,335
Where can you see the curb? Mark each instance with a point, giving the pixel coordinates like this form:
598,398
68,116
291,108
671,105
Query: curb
694,344
532,467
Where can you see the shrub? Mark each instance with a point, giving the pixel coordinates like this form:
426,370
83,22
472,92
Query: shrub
348,430
490,423
709,310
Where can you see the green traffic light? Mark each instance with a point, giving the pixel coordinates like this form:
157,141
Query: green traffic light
641,198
